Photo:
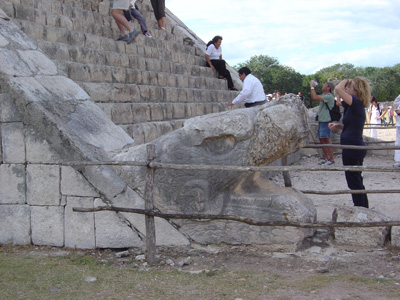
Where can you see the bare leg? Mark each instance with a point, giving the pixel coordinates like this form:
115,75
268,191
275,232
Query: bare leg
121,21
161,23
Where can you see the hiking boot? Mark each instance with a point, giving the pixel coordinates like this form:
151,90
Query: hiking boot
132,35
122,38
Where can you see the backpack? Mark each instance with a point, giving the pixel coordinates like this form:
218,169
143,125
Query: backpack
334,112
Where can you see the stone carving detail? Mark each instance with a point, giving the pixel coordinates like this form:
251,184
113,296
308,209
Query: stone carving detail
242,137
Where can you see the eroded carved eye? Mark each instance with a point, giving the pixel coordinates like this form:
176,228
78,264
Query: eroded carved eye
220,145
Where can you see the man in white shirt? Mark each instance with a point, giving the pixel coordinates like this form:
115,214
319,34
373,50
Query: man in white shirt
252,93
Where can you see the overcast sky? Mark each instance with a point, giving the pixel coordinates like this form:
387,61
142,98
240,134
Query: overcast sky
305,35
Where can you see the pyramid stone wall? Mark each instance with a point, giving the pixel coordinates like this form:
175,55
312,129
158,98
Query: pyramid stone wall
148,88
69,92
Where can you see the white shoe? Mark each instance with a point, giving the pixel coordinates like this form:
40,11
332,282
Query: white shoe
397,165
322,162
329,163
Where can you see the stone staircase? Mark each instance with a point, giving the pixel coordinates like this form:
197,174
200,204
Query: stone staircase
148,88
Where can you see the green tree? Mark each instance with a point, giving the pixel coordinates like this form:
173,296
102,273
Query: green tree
273,76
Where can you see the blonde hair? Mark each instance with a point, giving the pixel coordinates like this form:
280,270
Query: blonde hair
362,89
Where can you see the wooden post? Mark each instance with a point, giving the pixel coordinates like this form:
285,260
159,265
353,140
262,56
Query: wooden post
286,174
149,205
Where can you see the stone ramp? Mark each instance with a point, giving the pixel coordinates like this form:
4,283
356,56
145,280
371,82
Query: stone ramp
148,88
47,119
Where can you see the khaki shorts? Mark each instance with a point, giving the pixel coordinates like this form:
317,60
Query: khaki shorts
121,4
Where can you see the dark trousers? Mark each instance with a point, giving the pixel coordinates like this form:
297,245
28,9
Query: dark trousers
354,179
132,12
220,66
159,8
254,104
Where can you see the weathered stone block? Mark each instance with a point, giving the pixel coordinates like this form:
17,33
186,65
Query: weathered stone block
63,87
8,110
105,180
141,113
156,112
113,231
38,149
13,142
121,113
368,237
47,223
38,63
74,184
12,184
395,236
15,225
79,226
43,185
12,64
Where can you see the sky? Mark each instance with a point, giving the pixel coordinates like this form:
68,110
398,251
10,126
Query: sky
305,35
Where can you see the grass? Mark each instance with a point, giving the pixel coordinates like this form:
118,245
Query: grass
25,276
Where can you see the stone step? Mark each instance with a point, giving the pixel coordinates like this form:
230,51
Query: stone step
133,93
110,74
60,51
136,113
146,132
90,41
85,22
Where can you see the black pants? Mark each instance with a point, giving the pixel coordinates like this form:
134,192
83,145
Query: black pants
220,66
159,8
254,104
354,179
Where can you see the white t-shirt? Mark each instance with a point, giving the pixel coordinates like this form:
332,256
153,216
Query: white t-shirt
213,53
252,91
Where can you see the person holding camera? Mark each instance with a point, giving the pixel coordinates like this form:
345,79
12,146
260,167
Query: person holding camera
356,96
324,133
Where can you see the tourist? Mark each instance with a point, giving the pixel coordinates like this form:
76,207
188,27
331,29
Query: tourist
134,12
355,95
122,22
376,113
252,93
214,60
301,96
390,114
159,13
396,104
326,102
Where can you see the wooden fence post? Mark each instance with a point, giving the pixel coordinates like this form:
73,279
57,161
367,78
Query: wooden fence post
149,206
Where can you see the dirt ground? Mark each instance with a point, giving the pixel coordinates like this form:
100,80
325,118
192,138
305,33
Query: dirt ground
319,270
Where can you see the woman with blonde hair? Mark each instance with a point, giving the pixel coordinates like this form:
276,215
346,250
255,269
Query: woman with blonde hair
353,95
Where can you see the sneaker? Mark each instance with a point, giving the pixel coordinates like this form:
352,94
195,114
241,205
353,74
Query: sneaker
132,35
397,165
148,34
322,162
122,38
329,163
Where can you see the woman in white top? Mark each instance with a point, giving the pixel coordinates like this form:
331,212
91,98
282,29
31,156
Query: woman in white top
215,61
376,113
